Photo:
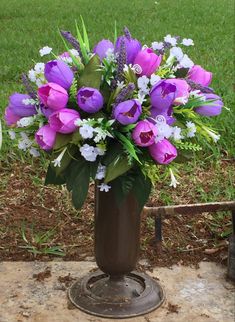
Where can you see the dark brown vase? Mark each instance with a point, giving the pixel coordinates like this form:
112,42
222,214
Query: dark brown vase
116,291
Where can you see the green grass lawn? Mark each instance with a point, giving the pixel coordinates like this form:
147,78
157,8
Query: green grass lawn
28,25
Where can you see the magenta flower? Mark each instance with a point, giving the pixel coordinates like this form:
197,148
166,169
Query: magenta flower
10,117
214,109
58,72
102,47
182,90
163,152
162,96
18,105
133,47
53,95
144,133
62,121
90,99
127,112
45,137
148,61
199,75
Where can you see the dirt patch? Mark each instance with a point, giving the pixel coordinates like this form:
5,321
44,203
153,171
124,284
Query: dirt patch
41,276
38,222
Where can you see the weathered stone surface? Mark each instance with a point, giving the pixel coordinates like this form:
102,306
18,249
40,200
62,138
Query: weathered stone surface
201,295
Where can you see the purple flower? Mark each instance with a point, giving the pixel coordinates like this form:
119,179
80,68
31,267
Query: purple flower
53,95
45,137
102,47
10,117
90,99
62,121
127,112
148,61
200,75
17,103
182,89
144,133
133,46
167,114
58,72
163,152
162,96
215,108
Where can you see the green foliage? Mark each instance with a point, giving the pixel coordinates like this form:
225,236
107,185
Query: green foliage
83,42
117,167
91,76
73,90
187,146
130,148
53,178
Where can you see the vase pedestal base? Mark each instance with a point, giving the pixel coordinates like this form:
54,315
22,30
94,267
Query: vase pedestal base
128,296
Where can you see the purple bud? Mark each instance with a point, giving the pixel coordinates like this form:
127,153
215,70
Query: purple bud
102,47
162,96
132,47
163,152
90,99
127,112
214,109
45,137
58,72
19,107
144,133
53,96
10,117
148,61
62,121
200,75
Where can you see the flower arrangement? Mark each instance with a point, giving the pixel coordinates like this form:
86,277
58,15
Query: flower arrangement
115,113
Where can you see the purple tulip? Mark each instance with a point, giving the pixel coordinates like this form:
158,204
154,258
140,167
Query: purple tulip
163,152
162,96
148,61
53,96
90,99
199,75
58,72
144,133
211,110
46,111
102,47
127,112
45,137
133,46
182,89
18,107
10,117
62,121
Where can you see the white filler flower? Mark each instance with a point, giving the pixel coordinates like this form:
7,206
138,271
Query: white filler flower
104,187
45,51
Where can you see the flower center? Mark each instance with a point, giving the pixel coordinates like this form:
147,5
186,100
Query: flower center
131,112
146,136
168,157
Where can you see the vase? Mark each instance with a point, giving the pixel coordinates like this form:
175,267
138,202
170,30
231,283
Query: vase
116,290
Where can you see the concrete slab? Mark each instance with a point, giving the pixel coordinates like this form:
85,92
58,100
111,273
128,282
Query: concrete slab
201,295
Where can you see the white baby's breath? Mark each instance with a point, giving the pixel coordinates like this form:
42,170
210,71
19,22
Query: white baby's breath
45,51
25,121
174,182
157,45
171,40
104,187
187,42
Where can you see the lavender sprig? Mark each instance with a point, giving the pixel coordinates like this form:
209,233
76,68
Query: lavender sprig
127,33
72,40
124,93
29,88
203,89
121,60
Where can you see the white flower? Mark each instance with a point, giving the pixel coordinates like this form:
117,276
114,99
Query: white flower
101,150
34,152
215,137
187,42
120,85
174,182
157,45
170,40
104,187
177,53
36,75
57,161
176,133
12,134
74,52
191,129
67,60
154,79
143,82
186,62
45,51
25,142
89,152
137,69
110,56
28,101
101,134
182,100
141,97
100,174
197,94
86,131
163,129
25,121
39,67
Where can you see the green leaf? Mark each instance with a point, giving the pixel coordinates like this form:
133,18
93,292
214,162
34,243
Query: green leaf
62,140
128,145
81,186
85,36
115,32
142,189
122,186
53,178
91,76
72,171
113,150
82,45
117,167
